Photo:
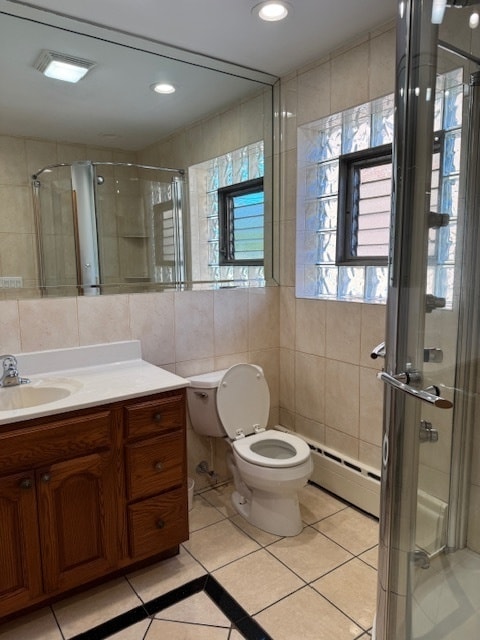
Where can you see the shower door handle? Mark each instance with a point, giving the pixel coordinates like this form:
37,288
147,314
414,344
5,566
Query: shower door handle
422,394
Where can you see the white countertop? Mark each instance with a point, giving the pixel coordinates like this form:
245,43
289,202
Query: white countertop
92,375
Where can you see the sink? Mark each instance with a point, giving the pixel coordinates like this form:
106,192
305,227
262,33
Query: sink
36,393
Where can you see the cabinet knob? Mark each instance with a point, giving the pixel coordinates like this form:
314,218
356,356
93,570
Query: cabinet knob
46,477
25,483
158,466
160,523
157,417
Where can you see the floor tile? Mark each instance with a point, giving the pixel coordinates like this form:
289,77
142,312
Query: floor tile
164,576
257,581
135,632
203,514
162,629
350,529
316,505
89,609
235,635
198,609
370,557
288,619
310,554
221,498
219,544
262,537
353,589
40,625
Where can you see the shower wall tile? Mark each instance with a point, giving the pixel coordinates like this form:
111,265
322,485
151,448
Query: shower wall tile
13,161
39,154
372,333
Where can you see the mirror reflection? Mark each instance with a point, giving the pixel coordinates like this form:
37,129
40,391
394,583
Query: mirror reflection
107,186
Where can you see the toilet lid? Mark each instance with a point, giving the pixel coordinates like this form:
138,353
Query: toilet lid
243,400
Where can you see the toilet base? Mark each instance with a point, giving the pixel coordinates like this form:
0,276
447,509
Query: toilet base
277,514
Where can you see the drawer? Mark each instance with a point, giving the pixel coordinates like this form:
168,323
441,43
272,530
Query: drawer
155,416
154,465
159,523
34,444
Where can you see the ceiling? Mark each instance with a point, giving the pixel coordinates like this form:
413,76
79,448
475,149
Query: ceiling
227,29
115,107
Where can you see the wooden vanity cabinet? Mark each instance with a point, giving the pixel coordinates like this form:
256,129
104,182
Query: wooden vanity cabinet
86,494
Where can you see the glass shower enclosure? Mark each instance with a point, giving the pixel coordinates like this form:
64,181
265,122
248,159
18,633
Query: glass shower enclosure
429,553
104,227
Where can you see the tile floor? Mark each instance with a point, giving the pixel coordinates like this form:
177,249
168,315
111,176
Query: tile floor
233,581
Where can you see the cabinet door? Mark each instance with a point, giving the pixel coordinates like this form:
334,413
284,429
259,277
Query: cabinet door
77,506
20,563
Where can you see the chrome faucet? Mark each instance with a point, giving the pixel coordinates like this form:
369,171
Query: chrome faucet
10,376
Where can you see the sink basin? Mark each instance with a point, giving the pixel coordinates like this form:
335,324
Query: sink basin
35,394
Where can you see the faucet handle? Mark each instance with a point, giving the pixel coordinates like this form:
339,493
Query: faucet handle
9,362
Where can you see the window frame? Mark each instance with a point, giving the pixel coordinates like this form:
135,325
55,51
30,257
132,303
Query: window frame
226,249
349,166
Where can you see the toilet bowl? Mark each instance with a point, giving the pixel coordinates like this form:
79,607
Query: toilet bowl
268,466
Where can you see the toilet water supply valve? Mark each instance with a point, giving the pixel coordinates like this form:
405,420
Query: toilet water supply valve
203,469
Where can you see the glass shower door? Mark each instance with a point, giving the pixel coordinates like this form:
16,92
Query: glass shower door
428,542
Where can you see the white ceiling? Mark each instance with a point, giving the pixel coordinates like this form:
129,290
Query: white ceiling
227,29
115,107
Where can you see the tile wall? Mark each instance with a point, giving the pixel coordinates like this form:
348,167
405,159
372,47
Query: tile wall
328,386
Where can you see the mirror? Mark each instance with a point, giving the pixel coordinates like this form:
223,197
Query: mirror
214,130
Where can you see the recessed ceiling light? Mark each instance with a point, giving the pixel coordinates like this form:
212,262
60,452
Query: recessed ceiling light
61,66
163,87
272,10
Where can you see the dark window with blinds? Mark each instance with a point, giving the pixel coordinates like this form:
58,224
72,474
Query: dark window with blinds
364,206
241,223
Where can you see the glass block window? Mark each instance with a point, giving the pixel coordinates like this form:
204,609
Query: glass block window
321,146
206,181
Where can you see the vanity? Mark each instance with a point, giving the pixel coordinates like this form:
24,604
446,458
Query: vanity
93,481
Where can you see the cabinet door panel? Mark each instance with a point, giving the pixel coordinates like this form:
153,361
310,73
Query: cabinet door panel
158,523
78,531
154,465
20,563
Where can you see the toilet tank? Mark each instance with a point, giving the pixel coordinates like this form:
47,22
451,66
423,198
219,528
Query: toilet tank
202,404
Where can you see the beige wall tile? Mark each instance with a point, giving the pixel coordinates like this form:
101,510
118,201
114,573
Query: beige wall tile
103,319
230,311
263,318
310,386
343,331
287,317
311,429
371,407
370,455
473,535
310,326
314,93
13,161
350,78
152,322
342,387
48,324
193,325
9,327
373,318
382,65
287,379
339,441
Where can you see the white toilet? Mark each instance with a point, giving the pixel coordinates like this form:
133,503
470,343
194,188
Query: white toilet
268,467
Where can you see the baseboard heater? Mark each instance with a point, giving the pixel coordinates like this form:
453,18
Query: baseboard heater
347,478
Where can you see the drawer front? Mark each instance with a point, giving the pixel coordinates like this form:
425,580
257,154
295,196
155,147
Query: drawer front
158,524
35,445
155,416
155,465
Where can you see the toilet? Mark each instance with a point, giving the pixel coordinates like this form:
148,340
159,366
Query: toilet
268,466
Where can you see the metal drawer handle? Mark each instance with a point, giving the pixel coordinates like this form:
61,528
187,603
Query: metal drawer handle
160,523
421,394
157,417
158,466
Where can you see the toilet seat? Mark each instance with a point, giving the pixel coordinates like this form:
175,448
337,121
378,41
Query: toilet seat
243,400
273,442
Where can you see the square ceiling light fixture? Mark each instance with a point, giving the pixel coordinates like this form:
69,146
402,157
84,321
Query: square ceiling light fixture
62,66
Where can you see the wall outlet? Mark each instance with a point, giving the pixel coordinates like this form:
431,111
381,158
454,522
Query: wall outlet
11,282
